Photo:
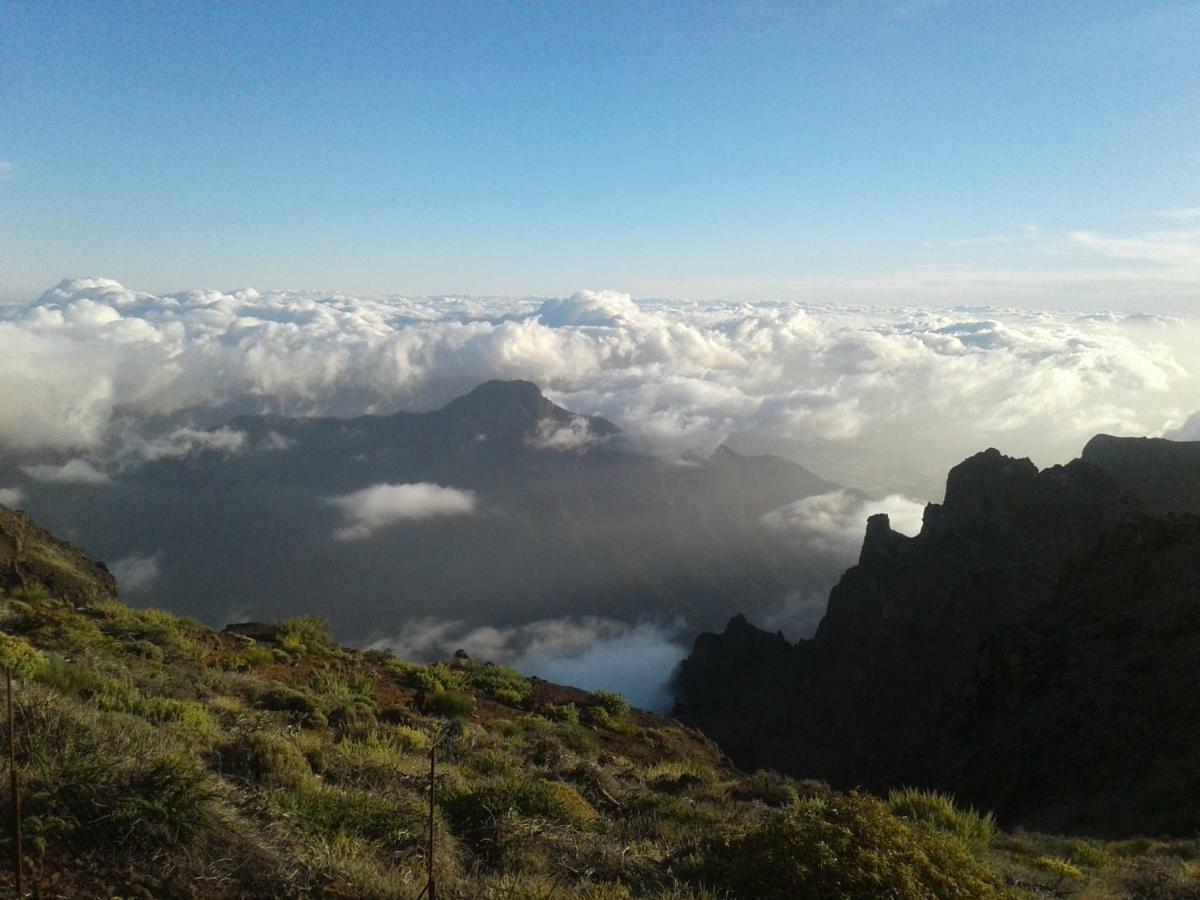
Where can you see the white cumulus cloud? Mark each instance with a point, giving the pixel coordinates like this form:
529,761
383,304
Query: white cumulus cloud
11,497
380,506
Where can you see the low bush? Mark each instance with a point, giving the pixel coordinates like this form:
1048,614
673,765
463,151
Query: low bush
611,702
769,788
568,713
473,807
267,758
504,684
938,811
677,776
450,704
94,781
305,634
393,821
285,699
851,848
1092,855
1059,867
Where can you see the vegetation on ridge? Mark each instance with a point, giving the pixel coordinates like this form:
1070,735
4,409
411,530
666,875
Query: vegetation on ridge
161,759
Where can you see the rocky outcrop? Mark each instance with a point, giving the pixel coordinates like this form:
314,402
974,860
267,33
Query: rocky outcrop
898,684
1164,474
31,556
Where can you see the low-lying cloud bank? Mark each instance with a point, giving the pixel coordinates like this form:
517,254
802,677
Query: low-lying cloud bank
588,652
383,505
679,377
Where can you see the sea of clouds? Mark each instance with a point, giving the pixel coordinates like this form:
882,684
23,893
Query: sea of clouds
98,377
927,385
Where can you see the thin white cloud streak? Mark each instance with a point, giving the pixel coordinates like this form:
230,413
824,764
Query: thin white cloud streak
679,377
187,441
588,652
75,471
6,170
382,506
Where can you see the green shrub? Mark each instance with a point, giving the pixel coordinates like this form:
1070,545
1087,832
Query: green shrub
416,676
286,699
409,740
19,657
493,762
164,630
450,704
611,702
354,689
938,811
567,713
304,634
1086,853
597,716
505,684
676,776
146,650
396,821
30,593
257,657
186,713
1059,867
88,769
851,847
770,788
474,807
267,758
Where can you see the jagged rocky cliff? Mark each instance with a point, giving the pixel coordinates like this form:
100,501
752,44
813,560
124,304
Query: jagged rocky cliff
1032,649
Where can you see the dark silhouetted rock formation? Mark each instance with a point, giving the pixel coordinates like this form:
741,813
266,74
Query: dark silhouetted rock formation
1029,646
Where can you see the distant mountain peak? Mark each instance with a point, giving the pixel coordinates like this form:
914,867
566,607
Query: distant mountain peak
520,405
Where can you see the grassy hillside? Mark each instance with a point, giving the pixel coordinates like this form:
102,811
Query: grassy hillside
161,759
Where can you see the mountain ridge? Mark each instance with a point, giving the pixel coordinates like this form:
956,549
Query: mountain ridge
900,643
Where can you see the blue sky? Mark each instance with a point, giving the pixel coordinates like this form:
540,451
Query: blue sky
1037,153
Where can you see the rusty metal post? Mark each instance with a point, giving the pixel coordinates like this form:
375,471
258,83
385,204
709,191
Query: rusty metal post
431,885
16,795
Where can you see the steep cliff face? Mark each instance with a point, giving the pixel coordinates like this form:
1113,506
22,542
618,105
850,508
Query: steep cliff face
891,690
1084,715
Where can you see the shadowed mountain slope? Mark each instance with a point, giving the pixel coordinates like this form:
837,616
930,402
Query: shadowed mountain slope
567,519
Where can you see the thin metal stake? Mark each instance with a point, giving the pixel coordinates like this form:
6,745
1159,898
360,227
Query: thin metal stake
16,796
430,885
